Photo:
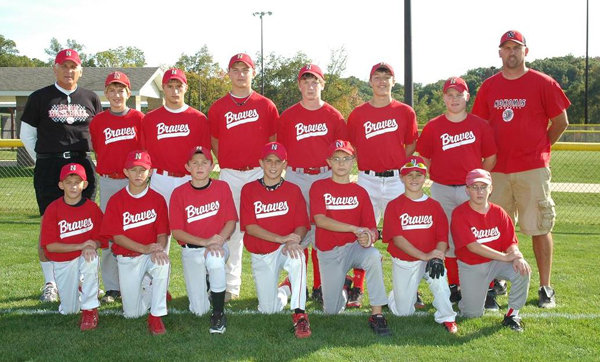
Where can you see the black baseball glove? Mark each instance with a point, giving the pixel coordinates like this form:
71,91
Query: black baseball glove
435,268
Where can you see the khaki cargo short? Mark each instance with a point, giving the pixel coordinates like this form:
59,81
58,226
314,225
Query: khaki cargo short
526,195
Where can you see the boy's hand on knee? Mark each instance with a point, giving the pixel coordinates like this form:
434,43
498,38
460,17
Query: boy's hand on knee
159,257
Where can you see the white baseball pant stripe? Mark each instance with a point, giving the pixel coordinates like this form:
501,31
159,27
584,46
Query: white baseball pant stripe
67,275
381,191
475,281
195,267
406,276
236,180
336,263
266,269
110,273
131,273
449,197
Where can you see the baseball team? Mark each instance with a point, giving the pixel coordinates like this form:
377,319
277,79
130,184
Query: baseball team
488,169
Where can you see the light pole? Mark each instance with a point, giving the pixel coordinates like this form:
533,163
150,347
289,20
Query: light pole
262,64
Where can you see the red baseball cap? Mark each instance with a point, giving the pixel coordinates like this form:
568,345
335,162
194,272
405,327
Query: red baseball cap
341,145
457,83
414,163
67,54
479,175
274,148
174,73
72,169
117,77
138,158
203,150
311,69
381,65
513,35
241,57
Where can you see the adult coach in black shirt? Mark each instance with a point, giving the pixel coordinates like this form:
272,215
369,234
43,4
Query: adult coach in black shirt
55,132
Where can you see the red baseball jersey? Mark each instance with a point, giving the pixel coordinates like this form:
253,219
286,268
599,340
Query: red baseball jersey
141,218
422,223
519,111
113,137
455,148
242,130
202,212
348,203
380,135
71,224
280,211
308,134
493,229
168,137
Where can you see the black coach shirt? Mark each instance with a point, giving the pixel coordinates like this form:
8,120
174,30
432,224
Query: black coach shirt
62,121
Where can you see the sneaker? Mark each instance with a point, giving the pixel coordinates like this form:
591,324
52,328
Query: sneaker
111,296
419,303
49,293
451,327
546,295
230,296
500,287
301,325
490,301
379,326
455,294
355,297
218,323
89,319
156,326
513,322
317,295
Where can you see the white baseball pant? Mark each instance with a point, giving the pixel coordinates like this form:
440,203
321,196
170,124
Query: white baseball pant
336,263
131,273
67,275
195,267
381,190
266,269
236,180
406,276
449,197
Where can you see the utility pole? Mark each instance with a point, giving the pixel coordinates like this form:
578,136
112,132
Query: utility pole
261,14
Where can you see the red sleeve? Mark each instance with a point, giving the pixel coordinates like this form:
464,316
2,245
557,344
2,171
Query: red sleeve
441,224
247,216
424,143
480,107
391,226
301,212
488,146
461,231
317,202
49,232
176,213
94,134
412,131
162,220
554,99
229,210
274,119
367,217
213,118
281,130
111,223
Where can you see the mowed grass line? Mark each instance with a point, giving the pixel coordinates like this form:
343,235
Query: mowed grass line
571,331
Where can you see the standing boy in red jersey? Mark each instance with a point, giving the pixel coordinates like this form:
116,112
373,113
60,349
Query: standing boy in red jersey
137,221
240,123
202,217
70,237
115,132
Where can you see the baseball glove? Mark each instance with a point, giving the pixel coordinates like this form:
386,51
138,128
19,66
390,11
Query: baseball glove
435,268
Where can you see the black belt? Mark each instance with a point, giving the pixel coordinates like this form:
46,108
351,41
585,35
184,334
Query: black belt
65,155
389,173
456,185
191,246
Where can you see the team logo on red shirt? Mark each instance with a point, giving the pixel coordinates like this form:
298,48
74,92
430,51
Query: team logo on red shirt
201,212
310,130
458,140
381,127
120,134
236,119
263,211
176,130
68,113
132,221
68,229
487,235
340,203
415,222
509,105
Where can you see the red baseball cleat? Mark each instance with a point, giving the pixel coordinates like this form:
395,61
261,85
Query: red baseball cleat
89,319
156,325
450,327
301,325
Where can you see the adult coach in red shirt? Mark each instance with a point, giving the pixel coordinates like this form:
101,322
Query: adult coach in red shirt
240,124
528,112
55,132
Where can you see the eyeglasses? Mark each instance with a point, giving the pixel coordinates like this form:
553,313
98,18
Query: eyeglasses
341,159
478,188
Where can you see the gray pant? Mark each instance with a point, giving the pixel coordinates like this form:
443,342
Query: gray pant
449,197
337,262
475,280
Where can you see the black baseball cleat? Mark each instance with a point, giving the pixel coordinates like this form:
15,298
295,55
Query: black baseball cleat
218,323
317,295
455,294
490,301
546,297
379,326
355,297
419,304
513,322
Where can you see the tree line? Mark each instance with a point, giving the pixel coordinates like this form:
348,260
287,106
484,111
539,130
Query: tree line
207,79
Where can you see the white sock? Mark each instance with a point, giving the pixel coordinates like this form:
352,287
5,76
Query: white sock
48,271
